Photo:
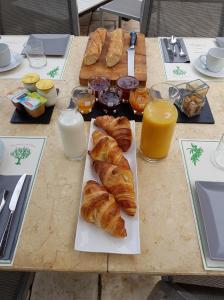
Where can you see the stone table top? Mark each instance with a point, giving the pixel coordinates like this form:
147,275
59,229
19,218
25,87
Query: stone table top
168,235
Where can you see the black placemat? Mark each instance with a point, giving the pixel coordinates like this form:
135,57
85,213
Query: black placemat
205,116
22,117
126,110
9,183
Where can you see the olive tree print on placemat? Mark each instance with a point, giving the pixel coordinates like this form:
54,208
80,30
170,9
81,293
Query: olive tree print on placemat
20,153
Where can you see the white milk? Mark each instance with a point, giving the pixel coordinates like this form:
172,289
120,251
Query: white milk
71,126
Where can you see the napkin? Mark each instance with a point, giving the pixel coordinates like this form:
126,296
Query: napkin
220,41
177,58
9,183
54,44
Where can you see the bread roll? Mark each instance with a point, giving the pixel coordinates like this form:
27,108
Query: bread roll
115,48
95,46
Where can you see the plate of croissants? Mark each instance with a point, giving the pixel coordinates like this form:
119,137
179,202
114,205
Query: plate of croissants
108,220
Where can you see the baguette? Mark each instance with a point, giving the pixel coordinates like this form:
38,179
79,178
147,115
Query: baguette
95,47
115,48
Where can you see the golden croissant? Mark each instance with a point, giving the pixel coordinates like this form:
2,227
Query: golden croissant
119,182
99,207
107,149
119,128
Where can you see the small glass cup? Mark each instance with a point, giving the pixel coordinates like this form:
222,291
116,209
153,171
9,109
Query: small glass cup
218,154
192,97
82,99
127,84
139,99
34,50
109,101
98,84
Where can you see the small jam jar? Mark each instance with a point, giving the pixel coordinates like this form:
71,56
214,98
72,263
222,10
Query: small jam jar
109,102
139,98
46,88
127,84
29,81
98,84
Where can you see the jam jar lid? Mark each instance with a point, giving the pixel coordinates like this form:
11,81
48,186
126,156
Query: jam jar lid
99,83
109,99
127,82
30,78
45,84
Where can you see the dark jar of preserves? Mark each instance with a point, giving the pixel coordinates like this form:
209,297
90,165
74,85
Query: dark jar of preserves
127,84
109,102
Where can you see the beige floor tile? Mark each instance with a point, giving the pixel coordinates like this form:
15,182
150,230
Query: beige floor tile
90,23
127,286
65,286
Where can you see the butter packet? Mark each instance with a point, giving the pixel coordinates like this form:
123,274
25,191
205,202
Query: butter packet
17,96
33,100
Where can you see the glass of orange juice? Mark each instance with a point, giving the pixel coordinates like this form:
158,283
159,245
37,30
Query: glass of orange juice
159,121
83,99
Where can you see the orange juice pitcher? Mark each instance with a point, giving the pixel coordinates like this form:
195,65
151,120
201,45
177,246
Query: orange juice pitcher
159,121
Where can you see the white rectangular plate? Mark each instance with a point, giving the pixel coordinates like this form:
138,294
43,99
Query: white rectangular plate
89,237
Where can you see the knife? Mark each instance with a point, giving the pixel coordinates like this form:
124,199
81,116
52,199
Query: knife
169,50
12,207
131,54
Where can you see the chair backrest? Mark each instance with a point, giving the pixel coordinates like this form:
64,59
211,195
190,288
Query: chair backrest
38,16
145,15
202,18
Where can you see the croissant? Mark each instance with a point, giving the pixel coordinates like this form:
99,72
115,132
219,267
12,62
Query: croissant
119,182
119,128
99,207
95,46
106,149
115,49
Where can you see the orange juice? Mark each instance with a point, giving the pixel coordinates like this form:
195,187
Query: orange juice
159,120
85,104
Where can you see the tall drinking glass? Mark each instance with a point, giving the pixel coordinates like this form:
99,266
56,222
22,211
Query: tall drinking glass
35,53
218,154
159,120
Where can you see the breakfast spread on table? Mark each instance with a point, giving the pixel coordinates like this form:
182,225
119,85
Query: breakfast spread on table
110,193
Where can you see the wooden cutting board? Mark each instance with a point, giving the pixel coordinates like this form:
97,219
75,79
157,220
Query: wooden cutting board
121,69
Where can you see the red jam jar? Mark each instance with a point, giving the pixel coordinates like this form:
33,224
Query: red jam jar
109,102
97,85
127,84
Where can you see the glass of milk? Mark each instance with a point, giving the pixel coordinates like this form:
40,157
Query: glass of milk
71,127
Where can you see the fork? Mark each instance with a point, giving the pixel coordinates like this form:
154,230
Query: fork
5,193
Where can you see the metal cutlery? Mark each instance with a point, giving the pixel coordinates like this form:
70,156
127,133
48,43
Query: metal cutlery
12,208
169,50
173,42
131,54
181,53
4,196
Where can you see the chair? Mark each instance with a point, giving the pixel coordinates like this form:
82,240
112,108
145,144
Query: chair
172,291
201,18
42,16
15,285
130,9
